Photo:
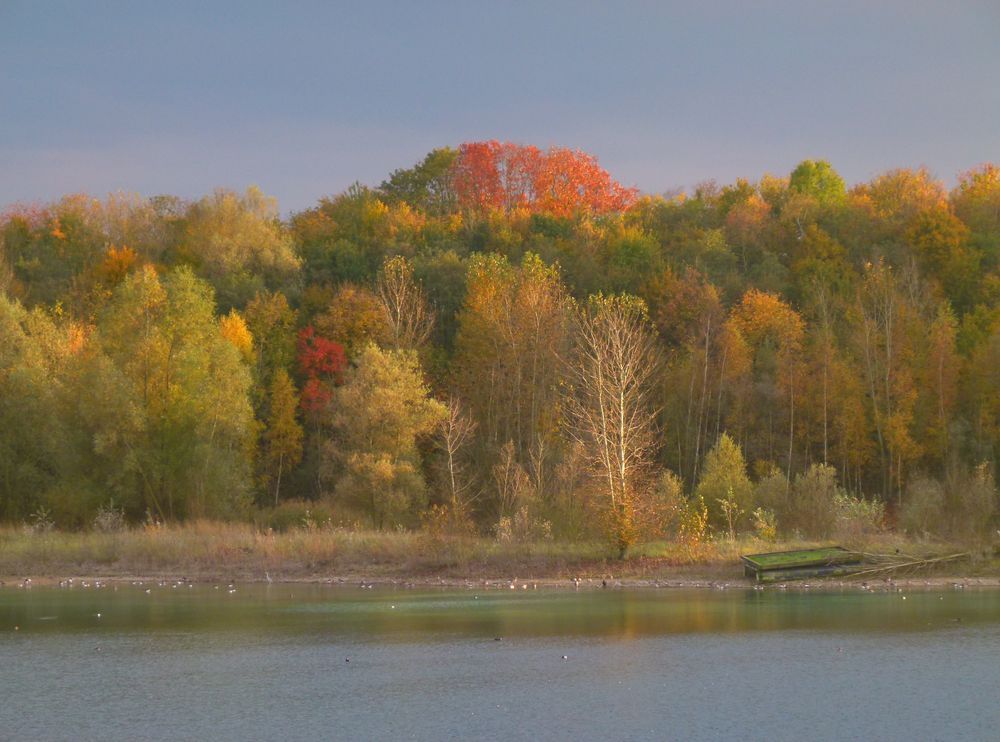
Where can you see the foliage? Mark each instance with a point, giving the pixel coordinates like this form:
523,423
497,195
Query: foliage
238,244
506,176
724,479
765,524
283,436
183,358
167,412
379,414
818,179
813,505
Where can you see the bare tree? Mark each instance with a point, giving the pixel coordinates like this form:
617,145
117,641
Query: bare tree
511,481
410,319
456,433
611,408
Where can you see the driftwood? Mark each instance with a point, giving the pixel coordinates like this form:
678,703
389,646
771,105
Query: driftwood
888,564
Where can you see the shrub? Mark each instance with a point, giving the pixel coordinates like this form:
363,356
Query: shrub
667,504
297,514
522,527
41,521
922,513
765,524
772,493
856,516
724,479
811,509
109,519
971,501
692,530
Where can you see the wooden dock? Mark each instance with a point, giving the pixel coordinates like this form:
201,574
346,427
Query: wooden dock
780,566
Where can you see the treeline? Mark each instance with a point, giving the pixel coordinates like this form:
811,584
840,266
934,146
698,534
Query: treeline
505,339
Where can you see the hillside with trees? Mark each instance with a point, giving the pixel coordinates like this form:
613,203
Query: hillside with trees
504,340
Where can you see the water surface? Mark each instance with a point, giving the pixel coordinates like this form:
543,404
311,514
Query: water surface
324,662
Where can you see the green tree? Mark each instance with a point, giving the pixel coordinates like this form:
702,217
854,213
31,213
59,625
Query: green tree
379,415
164,398
272,323
426,186
818,179
724,478
32,439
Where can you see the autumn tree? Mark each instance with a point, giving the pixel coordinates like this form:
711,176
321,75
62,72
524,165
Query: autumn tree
409,318
379,414
887,346
354,318
976,201
611,409
456,434
271,322
33,438
507,176
237,243
283,435
167,409
775,332
707,365
938,379
514,333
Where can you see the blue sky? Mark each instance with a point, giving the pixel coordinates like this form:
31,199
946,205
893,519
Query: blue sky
304,98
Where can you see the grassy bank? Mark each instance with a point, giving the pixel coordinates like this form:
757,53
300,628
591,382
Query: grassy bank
206,550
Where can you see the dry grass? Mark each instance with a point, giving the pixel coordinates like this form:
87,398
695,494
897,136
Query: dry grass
203,549
242,551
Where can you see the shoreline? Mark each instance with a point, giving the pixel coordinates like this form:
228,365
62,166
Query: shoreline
208,551
667,583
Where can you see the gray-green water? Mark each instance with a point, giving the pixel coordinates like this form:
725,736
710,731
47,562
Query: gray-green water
270,662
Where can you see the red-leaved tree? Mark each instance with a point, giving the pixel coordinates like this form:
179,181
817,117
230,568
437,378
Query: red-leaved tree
507,176
322,363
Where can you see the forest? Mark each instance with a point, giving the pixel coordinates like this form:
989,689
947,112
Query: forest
503,340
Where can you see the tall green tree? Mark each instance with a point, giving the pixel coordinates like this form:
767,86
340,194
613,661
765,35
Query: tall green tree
167,405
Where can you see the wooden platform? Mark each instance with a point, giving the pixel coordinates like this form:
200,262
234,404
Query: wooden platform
779,566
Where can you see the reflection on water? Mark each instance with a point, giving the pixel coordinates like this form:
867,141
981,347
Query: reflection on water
315,661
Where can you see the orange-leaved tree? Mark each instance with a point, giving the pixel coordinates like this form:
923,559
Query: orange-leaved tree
507,176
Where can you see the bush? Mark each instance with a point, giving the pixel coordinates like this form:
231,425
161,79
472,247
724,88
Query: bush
962,508
765,524
811,509
522,527
772,493
667,505
109,519
692,529
971,501
856,516
922,513
296,514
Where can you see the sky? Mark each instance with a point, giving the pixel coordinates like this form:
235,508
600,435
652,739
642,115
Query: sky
304,99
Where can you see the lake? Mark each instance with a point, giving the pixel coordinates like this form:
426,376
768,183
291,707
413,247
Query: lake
168,661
